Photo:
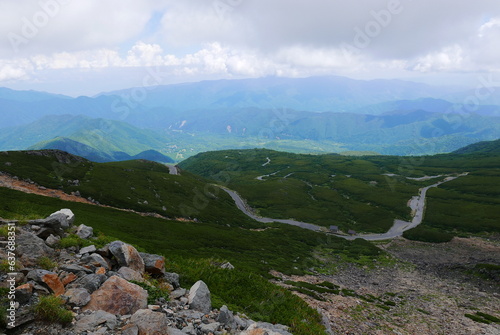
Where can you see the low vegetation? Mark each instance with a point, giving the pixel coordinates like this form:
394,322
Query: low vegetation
425,234
50,308
366,193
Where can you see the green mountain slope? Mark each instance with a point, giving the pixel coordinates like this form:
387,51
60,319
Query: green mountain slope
484,147
85,151
360,193
105,136
139,185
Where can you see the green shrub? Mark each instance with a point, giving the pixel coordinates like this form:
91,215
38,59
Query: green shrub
46,263
488,317
424,234
51,308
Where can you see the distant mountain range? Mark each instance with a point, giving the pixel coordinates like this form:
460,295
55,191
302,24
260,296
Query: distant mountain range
317,114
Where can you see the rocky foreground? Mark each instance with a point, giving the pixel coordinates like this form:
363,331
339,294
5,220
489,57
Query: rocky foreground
101,287
426,289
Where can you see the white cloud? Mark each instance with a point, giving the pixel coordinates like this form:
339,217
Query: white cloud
243,38
448,59
48,26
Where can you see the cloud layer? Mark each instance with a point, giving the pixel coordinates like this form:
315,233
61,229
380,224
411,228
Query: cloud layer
249,38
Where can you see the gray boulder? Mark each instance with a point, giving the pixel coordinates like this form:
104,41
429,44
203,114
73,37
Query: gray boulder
154,264
199,297
37,275
23,293
55,223
172,278
52,240
96,260
127,255
227,266
180,292
209,328
74,268
70,216
91,321
226,317
30,248
90,282
129,274
77,296
150,322
84,231
87,250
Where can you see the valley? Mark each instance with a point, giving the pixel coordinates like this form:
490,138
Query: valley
389,285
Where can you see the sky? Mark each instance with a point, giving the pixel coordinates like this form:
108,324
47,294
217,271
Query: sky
83,47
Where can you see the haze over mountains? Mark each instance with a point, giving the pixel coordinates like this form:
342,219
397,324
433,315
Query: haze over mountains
316,114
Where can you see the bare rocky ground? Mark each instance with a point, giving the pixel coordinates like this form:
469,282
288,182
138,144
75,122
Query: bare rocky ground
426,291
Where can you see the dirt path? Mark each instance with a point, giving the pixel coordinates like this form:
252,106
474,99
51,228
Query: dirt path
20,185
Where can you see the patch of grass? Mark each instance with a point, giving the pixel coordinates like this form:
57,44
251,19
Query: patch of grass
310,293
328,285
477,318
158,289
73,241
251,294
51,309
46,263
488,317
4,231
5,266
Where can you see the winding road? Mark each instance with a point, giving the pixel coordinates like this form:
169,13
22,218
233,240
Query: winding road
417,205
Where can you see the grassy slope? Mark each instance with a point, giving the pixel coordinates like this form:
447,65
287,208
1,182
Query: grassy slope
139,185
222,232
311,193
190,249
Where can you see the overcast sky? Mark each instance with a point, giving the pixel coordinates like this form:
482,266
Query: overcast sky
86,46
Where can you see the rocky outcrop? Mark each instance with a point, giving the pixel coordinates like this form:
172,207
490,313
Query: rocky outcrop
95,285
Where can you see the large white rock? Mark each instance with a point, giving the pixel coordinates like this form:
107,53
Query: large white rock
70,217
199,297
